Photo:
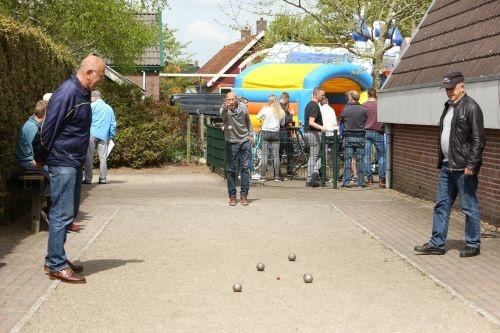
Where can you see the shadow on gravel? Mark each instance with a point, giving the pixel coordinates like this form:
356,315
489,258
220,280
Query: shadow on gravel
99,265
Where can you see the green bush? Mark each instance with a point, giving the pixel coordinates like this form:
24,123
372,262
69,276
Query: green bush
30,65
148,133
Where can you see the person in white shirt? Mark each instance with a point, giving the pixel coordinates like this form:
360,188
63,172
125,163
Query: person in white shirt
272,117
329,117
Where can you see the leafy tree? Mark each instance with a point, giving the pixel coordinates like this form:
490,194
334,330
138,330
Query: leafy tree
108,28
339,19
288,27
178,61
155,6
175,51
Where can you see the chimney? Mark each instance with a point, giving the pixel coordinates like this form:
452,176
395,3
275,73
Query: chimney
246,31
261,25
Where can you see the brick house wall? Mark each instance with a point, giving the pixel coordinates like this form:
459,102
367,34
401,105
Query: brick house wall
415,173
152,83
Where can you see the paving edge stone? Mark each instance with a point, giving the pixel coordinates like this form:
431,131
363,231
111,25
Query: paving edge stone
492,318
53,286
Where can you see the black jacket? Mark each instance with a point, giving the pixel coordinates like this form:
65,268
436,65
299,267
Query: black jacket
354,118
467,138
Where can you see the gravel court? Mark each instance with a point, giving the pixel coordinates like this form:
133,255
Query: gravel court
168,259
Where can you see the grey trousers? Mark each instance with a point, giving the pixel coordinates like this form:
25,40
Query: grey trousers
314,162
102,148
275,150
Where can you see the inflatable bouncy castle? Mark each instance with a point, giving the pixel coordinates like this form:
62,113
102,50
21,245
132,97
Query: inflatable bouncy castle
259,81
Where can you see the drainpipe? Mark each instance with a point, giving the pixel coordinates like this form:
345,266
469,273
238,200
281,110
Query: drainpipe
144,80
388,156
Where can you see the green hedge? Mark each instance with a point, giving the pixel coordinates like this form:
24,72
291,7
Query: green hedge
148,133
30,65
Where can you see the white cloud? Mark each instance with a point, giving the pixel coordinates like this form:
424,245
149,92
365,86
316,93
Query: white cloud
203,31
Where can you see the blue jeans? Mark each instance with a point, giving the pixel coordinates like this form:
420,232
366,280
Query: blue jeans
65,187
232,151
452,183
353,145
251,166
377,139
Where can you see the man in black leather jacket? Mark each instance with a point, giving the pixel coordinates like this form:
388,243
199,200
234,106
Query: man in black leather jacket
460,157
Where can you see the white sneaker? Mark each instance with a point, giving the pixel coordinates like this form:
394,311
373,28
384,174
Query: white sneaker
255,176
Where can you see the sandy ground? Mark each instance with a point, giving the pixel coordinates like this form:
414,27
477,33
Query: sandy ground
167,261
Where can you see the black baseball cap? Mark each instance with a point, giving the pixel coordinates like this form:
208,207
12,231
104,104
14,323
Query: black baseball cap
451,79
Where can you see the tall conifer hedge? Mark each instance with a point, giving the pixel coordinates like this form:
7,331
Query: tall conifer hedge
30,65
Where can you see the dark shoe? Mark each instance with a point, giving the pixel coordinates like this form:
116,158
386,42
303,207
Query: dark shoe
74,227
313,183
361,186
428,248
382,183
68,276
74,268
102,181
86,181
470,251
232,201
369,182
244,201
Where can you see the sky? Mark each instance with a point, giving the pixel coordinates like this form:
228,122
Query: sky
205,25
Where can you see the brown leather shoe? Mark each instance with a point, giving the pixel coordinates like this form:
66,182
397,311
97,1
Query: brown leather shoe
369,182
68,276
74,268
244,201
232,201
382,183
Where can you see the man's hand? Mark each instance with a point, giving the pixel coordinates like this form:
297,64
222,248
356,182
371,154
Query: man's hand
468,171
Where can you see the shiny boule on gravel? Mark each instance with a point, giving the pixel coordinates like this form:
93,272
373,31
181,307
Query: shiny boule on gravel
261,267
237,287
308,278
292,257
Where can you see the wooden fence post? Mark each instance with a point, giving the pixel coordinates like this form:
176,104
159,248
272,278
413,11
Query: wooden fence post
189,139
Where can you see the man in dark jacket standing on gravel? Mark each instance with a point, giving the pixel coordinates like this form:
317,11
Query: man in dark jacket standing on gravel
63,142
460,149
354,118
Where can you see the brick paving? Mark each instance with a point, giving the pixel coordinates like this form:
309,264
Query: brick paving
403,222
22,280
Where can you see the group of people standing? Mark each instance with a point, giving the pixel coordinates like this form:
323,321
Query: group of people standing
59,140
359,130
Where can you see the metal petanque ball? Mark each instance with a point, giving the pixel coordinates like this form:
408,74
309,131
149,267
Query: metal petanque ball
292,257
237,287
260,267
308,278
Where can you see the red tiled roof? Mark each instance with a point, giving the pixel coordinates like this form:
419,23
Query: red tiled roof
224,56
458,35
